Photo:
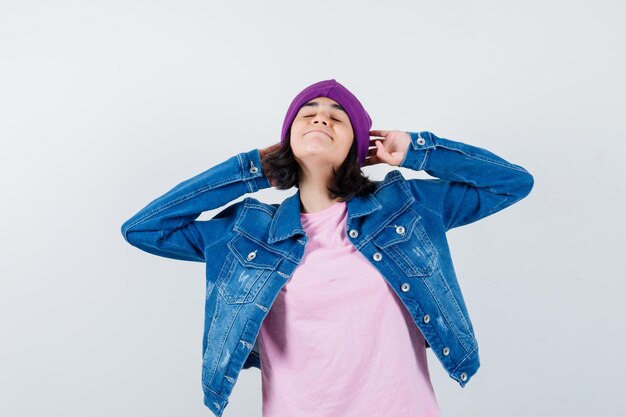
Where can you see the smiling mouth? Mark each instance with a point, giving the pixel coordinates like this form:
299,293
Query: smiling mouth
318,131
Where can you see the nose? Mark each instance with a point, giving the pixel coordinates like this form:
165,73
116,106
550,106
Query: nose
319,118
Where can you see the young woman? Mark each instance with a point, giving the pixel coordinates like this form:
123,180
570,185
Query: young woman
336,292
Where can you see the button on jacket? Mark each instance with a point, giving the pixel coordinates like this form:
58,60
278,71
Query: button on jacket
251,248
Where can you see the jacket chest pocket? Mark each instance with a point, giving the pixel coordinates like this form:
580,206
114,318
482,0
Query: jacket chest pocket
406,242
245,271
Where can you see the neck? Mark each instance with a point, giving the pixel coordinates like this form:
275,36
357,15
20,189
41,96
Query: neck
313,188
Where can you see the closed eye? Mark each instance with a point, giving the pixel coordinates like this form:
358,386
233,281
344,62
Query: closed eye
337,120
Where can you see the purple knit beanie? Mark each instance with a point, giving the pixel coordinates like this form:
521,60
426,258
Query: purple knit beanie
360,120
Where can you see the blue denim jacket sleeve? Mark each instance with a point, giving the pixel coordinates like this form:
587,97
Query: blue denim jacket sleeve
471,182
167,226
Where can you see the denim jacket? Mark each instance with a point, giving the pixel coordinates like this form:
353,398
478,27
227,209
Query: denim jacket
251,248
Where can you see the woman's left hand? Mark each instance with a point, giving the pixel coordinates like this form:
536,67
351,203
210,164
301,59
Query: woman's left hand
390,150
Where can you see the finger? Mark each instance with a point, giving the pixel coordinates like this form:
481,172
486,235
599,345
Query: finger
372,160
373,141
379,132
376,144
381,152
372,146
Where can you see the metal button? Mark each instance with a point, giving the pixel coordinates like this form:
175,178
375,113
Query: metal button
251,255
420,140
353,233
446,351
400,230
405,287
378,256
463,376
426,318
253,169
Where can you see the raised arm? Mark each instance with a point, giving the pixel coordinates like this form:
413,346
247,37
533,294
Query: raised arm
471,182
167,226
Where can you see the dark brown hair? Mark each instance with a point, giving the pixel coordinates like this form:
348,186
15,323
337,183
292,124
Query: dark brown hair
282,168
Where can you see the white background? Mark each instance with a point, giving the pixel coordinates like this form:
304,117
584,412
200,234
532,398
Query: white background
105,105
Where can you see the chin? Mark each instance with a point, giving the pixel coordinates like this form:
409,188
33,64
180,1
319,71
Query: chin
316,157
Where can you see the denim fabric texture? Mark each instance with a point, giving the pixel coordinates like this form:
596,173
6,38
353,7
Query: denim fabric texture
251,248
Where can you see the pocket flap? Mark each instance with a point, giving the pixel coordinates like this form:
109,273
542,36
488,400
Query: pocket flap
252,254
391,233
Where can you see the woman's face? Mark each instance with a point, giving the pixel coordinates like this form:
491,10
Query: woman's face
321,133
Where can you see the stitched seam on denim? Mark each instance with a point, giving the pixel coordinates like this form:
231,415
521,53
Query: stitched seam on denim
465,357
259,242
447,226
226,236
398,238
271,266
192,233
181,200
424,160
455,301
241,164
221,342
396,254
462,178
184,250
245,325
190,195
417,202
354,214
225,272
395,257
483,158
422,237
250,184
291,258
395,177
428,209
495,208
193,238
443,312
225,336
250,203
242,232
404,185
275,223
436,331
213,392
466,182
401,210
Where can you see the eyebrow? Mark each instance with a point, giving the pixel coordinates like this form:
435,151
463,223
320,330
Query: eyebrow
333,105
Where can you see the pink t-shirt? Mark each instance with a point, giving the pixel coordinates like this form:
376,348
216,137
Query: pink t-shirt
337,340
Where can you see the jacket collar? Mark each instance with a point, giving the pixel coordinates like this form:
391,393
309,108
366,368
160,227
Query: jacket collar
286,221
